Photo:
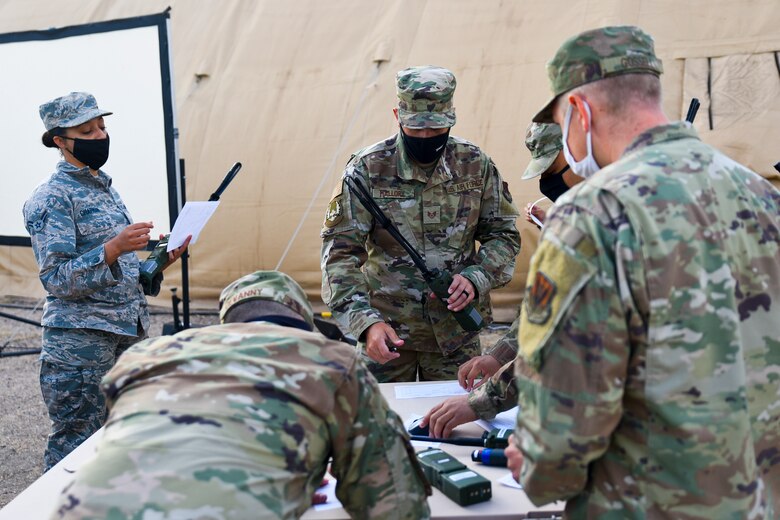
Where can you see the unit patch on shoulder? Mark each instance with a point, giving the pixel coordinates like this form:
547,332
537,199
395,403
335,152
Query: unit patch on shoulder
540,298
335,213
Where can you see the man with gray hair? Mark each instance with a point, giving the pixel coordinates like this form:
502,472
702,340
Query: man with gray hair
647,365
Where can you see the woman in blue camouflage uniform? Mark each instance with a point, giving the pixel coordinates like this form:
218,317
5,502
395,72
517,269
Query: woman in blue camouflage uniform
84,241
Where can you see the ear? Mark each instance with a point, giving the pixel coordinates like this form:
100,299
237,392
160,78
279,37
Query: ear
395,115
59,141
580,109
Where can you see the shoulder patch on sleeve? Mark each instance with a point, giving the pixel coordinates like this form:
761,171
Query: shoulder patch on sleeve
540,298
335,212
37,221
555,278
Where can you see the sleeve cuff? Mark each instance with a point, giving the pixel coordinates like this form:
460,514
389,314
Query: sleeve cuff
108,275
481,403
503,351
477,276
361,323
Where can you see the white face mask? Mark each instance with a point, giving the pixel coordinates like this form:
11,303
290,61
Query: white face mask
588,166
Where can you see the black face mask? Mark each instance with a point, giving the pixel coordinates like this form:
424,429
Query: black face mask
92,152
425,150
553,185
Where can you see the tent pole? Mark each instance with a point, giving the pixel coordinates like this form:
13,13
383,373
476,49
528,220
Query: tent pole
185,273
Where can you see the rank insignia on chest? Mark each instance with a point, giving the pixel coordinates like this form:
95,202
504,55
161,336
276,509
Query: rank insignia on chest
540,297
335,213
432,215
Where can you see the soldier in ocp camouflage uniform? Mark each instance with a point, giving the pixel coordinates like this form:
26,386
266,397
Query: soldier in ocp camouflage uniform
238,421
84,240
445,195
548,163
648,358
497,391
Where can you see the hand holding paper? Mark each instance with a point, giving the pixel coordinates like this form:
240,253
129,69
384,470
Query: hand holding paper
192,219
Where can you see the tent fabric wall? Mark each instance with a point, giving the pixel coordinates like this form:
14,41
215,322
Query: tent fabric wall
290,89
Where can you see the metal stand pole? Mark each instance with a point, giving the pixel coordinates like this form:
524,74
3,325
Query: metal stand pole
185,272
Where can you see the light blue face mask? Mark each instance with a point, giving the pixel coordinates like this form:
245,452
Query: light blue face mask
588,166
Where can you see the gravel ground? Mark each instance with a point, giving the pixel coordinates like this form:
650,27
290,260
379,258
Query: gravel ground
24,423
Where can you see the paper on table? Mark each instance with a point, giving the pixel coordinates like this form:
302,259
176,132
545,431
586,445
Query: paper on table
190,221
509,481
506,420
428,390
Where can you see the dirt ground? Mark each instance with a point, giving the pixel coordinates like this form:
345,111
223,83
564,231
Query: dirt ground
24,423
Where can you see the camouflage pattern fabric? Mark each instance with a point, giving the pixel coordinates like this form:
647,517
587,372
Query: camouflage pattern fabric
70,217
543,140
427,366
272,286
443,215
71,110
505,349
597,54
238,421
649,340
75,362
425,97
499,393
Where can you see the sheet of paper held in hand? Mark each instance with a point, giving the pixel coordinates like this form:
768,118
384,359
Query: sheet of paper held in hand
191,220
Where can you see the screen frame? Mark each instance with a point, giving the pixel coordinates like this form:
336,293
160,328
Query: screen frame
162,22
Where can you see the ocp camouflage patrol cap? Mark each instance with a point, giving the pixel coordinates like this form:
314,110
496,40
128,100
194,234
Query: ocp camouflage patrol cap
71,110
273,286
544,142
425,97
598,54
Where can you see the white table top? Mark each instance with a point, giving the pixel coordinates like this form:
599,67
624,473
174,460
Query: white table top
38,500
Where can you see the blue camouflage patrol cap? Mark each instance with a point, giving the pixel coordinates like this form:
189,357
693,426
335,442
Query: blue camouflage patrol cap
71,110
272,286
425,97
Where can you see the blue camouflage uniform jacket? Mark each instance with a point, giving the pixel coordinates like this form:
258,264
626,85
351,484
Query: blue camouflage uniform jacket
70,217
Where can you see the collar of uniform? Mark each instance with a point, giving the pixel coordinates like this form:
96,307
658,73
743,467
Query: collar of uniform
84,175
408,169
662,133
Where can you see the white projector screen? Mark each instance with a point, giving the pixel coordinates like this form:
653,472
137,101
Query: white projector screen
126,65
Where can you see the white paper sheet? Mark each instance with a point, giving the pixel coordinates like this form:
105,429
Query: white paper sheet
509,481
190,221
506,420
429,390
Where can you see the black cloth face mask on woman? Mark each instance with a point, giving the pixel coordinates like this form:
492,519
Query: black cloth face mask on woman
92,152
553,186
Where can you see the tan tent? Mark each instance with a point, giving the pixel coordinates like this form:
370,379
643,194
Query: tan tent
291,88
